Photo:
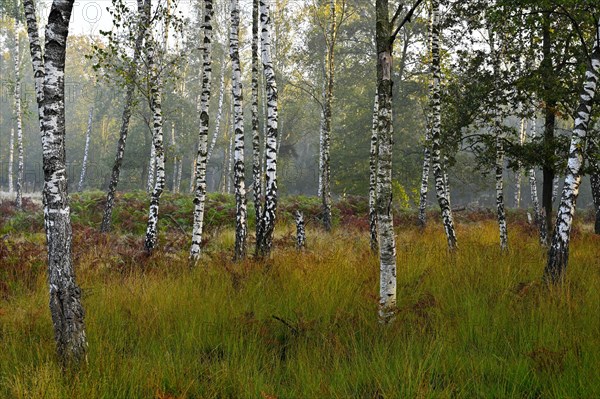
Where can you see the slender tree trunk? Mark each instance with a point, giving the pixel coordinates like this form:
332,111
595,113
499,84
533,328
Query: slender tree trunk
385,220
19,114
256,159
300,231
65,296
11,161
231,153
213,142
151,165
241,217
326,180
555,184
157,141
540,220
175,158
322,135
267,224
559,249
125,117
373,177
595,181
86,150
519,174
438,170
549,88
201,158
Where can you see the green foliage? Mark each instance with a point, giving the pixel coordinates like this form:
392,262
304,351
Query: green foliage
476,324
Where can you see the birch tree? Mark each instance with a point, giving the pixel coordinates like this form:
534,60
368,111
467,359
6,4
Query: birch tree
519,173
595,182
19,118
373,154
436,116
559,249
539,218
264,240
241,225
11,161
256,164
200,190
86,150
140,26
65,296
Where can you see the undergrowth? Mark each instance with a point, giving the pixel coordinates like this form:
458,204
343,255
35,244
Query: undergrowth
303,324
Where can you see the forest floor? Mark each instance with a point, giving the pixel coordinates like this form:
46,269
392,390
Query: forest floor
476,324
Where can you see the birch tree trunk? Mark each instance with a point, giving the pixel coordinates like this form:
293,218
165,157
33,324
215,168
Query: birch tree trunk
497,123
231,153
559,249
267,224
385,221
540,220
151,164
256,169
519,174
241,217
373,177
326,170
436,116
595,181
175,158
11,161
300,231
65,296
86,151
555,183
213,142
125,117
157,140
201,158
19,115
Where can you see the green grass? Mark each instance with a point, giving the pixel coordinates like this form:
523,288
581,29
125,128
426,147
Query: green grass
304,325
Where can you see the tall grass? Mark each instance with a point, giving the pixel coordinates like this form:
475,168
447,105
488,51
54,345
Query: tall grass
303,325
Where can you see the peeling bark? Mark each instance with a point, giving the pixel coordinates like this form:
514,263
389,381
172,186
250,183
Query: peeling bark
200,191
559,250
65,296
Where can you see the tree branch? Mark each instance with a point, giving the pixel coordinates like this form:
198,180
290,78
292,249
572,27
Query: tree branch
406,19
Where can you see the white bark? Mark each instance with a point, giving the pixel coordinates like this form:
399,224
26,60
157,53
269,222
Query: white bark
241,226
213,142
65,296
19,117
151,165
373,177
519,174
540,219
86,151
256,159
200,192
300,231
267,223
11,161
559,249
438,172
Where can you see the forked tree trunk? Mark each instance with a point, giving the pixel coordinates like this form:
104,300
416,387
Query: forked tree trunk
200,192
559,249
256,164
385,221
125,117
438,170
65,296
373,177
269,210
86,151
19,115
157,141
241,213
